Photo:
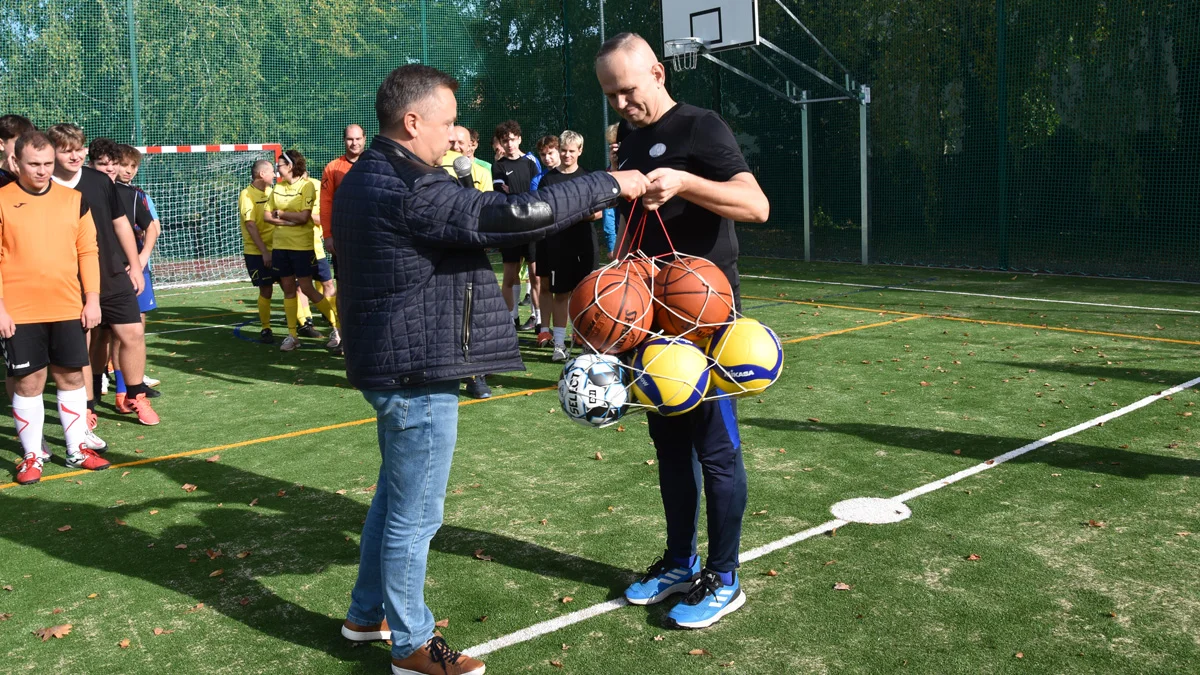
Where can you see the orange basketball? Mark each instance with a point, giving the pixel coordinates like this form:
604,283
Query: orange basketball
693,295
642,267
611,310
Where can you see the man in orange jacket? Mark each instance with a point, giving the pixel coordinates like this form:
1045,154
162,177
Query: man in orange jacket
331,178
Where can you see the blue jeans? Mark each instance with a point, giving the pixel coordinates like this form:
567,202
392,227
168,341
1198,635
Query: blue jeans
417,428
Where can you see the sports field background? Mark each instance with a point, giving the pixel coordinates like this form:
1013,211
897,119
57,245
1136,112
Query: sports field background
1023,134
1087,549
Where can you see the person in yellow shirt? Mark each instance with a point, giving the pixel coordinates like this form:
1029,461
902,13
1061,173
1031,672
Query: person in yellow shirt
256,240
293,253
321,272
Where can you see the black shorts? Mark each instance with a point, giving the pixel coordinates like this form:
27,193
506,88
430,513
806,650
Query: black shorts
514,254
119,301
260,274
33,346
291,263
567,257
321,270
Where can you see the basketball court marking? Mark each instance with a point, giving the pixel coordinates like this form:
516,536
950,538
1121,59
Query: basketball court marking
909,289
547,627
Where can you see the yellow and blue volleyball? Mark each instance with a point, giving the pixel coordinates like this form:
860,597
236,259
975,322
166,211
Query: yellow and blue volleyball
672,375
747,357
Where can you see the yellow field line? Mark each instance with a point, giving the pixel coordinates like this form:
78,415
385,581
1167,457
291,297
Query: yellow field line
266,439
851,330
1081,331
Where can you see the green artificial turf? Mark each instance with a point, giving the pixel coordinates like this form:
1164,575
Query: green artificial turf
1087,549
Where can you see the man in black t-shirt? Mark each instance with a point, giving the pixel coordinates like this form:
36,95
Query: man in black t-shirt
512,173
700,185
120,268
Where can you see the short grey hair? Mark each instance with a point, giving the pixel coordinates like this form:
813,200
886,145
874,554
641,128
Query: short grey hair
404,89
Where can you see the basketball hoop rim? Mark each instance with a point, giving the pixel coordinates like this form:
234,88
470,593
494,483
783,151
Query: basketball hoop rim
685,52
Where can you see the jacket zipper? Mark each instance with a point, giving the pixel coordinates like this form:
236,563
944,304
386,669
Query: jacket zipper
466,326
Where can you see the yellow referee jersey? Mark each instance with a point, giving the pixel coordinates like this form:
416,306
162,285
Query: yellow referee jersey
293,197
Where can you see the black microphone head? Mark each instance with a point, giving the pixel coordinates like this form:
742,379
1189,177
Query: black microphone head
462,166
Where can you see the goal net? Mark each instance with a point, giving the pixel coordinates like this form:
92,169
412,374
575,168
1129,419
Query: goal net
195,189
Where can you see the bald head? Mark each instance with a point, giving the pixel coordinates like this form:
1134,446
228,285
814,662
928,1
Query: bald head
355,139
632,79
262,173
462,142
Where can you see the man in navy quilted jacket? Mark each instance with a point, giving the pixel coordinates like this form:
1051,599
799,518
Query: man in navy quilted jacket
421,310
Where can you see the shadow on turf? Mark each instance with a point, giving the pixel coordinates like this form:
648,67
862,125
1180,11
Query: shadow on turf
291,531
1067,455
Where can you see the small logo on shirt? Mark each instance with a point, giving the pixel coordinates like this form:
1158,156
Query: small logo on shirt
17,206
657,150
508,173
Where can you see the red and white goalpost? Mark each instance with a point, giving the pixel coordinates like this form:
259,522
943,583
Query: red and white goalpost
195,189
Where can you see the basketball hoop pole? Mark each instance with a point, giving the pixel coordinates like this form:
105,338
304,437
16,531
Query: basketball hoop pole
863,152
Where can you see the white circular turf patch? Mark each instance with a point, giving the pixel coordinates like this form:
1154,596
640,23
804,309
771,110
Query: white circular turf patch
870,510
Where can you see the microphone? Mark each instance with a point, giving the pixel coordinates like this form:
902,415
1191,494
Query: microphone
462,169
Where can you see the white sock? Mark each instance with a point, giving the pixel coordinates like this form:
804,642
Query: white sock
515,312
524,289
72,412
537,316
29,414
560,337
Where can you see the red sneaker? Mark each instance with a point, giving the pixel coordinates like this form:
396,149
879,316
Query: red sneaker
92,420
30,469
145,413
87,458
122,404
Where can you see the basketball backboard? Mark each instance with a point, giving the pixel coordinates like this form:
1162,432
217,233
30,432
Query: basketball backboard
721,24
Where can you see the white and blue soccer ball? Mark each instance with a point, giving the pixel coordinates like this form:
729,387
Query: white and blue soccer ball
592,390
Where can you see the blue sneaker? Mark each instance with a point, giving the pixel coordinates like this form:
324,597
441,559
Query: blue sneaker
707,602
662,581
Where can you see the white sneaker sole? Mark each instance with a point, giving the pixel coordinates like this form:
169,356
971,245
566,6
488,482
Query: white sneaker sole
397,670
366,636
681,587
733,606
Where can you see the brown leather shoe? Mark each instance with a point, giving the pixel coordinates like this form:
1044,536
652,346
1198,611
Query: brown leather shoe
436,658
356,633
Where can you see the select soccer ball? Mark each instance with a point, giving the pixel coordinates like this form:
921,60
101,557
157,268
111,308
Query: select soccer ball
747,357
592,390
672,375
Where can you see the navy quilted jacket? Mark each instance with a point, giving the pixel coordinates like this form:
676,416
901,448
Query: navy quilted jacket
417,295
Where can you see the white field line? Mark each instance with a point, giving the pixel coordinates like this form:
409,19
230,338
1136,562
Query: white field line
184,330
909,289
206,283
552,625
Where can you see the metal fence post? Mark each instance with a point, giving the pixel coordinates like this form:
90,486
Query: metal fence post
133,74
863,151
806,178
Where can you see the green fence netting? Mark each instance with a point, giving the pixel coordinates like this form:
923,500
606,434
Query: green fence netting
1008,134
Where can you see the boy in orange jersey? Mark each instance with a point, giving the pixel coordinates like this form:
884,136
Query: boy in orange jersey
48,262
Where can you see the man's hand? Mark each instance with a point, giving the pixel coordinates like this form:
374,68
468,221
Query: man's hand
267,259
633,184
90,317
136,277
7,326
664,184
329,245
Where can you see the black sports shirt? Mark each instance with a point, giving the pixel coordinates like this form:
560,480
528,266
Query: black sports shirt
517,173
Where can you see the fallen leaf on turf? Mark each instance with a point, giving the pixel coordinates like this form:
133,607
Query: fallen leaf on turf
782,451
8,588
841,586
772,573
216,573
924,383
138,450
188,487
159,631
340,492
567,598
214,458
53,631
814,420
281,493
126,474
254,502
154,512
958,452
213,555
196,608
57,610
759,513
64,528
829,563
479,555
6,616
482,618
369,489
1096,523
649,462
556,664
118,521
1183,534
545,521
93,596
1113,614
699,652
244,601
974,557
124,644
598,455
444,623
1056,475
659,638
990,461
181,546
726,665
1020,655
